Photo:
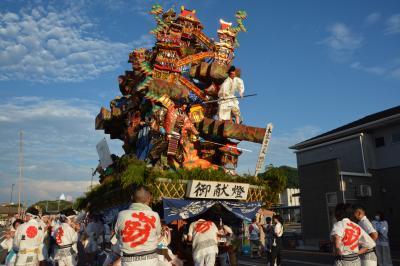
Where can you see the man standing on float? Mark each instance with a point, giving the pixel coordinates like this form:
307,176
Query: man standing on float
227,103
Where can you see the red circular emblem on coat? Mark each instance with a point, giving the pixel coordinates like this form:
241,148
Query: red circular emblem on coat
31,231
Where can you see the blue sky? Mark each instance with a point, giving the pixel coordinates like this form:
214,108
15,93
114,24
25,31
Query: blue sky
314,64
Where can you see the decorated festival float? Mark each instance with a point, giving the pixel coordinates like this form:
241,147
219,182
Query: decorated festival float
179,120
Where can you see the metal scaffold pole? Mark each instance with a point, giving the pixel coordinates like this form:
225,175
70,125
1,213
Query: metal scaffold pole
21,158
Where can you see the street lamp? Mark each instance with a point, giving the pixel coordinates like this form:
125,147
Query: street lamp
91,181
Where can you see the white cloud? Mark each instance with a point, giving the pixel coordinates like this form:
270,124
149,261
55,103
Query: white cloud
393,24
372,18
59,143
376,70
278,151
395,73
140,7
47,189
388,71
342,38
46,45
342,42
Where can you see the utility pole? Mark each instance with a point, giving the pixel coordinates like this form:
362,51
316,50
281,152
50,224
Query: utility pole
20,172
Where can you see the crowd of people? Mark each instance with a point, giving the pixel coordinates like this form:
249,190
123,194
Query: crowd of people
139,237
362,243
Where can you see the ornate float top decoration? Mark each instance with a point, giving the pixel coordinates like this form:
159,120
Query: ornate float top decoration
171,98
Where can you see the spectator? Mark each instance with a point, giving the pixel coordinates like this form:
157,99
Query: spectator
225,234
269,237
277,240
254,230
94,232
348,239
8,242
382,243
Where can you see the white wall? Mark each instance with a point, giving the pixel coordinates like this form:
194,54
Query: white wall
286,198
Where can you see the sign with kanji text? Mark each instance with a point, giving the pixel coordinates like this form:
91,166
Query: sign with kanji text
216,190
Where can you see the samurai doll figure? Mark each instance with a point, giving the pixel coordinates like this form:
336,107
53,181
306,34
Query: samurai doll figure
228,104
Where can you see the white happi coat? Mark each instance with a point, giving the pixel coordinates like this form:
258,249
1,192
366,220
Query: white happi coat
369,258
66,250
204,234
138,230
43,227
352,236
227,90
28,243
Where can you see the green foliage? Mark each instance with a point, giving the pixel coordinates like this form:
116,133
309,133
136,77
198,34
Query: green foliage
80,203
129,171
292,176
156,9
134,174
276,181
279,178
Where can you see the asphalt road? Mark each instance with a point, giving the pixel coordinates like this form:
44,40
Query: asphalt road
298,258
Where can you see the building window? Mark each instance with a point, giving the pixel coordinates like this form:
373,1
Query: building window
379,142
396,137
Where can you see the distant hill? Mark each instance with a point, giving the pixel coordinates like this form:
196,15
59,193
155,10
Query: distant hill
288,173
52,205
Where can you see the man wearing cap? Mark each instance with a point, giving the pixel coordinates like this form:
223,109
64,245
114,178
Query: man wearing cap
137,230
227,103
28,240
66,251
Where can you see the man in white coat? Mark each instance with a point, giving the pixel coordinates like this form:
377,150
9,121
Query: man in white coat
204,235
138,230
349,239
369,257
28,240
66,251
227,103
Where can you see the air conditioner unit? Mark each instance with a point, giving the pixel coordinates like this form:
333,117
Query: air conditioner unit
364,191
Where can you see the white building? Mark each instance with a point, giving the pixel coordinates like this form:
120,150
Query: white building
289,205
289,197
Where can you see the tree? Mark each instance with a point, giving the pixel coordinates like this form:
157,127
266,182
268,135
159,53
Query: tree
292,176
276,182
279,178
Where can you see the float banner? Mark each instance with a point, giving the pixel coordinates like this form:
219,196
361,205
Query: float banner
179,209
